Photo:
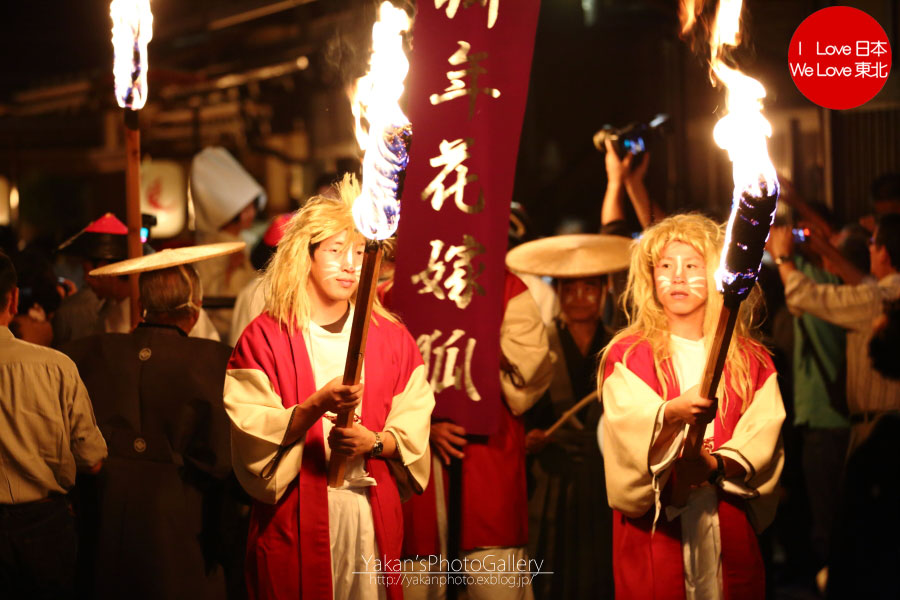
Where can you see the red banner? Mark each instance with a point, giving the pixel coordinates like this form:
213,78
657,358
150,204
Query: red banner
468,83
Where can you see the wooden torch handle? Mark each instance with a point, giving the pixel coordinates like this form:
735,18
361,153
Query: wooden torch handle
715,364
133,202
592,397
356,351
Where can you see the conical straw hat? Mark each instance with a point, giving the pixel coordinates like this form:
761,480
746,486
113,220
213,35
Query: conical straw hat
568,256
170,257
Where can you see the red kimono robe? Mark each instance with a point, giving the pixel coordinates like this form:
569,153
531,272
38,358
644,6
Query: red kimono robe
288,548
648,564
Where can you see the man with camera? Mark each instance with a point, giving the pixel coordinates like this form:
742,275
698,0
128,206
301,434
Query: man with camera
627,160
854,308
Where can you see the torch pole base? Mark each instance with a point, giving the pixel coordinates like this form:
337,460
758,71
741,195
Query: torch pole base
356,350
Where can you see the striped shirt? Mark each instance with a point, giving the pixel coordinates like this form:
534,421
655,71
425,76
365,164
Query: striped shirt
854,308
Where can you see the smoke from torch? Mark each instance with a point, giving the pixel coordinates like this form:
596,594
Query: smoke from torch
132,30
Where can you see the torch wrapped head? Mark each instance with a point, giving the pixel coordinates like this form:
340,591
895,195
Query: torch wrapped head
743,132
745,240
377,210
131,32
382,130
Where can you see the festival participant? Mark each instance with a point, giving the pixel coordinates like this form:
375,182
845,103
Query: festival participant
649,376
103,304
624,175
854,308
521,231
494,504
250,301
284,383
40,293
570,526
226,200
157,396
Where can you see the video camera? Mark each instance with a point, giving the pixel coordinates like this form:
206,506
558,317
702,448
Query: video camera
784,215
631,138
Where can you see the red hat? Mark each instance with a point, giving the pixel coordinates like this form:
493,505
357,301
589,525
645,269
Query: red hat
103,239
108,223
276,229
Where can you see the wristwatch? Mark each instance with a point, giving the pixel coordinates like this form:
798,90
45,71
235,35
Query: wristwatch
378,448
717,476
780,260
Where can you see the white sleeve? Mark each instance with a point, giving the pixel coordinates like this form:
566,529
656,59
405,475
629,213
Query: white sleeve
632,422
409,420
756,445
259,423
523,341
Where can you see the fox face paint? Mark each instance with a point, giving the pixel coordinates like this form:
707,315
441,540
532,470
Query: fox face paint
336,267
681,280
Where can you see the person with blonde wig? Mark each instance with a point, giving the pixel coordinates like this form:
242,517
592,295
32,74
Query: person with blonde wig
282,387
686,528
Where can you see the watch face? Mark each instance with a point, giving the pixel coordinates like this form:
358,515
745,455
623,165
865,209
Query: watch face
378,448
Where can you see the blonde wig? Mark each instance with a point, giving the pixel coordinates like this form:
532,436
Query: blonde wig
287,275
647,321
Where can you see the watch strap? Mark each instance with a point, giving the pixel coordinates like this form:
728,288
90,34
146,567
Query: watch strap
378,447
717,476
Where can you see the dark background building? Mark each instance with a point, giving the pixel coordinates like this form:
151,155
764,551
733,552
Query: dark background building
266,78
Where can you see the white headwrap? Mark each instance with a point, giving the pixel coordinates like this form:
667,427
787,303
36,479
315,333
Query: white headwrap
221,188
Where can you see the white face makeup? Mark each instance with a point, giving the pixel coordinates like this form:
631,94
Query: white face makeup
335,263
695,283
580,294
681,279
581,299
336,267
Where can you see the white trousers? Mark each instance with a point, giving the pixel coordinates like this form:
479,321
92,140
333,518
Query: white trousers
353,549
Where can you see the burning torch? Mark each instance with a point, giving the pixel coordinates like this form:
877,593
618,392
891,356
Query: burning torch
132,29
384,139
742,132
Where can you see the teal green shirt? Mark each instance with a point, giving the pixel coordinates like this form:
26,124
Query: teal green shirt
819,359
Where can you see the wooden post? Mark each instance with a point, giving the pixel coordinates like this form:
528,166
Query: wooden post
715,364
356,351
133,202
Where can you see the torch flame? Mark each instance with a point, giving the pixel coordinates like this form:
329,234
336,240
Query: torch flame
688,10
385,134
743,132
132,30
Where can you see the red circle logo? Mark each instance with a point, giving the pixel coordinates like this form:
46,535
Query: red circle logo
839,57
